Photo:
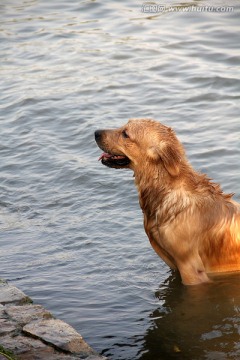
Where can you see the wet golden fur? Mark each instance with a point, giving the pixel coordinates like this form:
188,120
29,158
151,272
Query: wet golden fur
191,224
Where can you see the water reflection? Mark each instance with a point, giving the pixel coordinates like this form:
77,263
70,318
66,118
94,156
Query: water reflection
68,68
198,322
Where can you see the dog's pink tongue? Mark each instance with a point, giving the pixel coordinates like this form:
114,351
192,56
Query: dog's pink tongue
104,155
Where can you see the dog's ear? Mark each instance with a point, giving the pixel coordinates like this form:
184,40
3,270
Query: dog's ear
170,158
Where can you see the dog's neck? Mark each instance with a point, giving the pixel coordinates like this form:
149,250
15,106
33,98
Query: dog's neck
153,189
158,191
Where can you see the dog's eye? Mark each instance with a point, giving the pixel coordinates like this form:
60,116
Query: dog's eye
124,134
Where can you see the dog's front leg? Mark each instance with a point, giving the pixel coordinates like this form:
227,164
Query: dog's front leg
163,254
192,271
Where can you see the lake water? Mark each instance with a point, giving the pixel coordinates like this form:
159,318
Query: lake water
71,230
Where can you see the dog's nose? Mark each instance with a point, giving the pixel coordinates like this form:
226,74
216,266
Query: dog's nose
98,135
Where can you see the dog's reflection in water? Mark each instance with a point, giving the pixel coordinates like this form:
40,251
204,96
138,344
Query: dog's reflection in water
195,322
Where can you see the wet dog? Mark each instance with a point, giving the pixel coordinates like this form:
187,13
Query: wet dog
191,224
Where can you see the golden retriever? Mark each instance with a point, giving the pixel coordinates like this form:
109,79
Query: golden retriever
191,224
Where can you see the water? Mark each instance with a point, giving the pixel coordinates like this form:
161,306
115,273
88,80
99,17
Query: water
72,235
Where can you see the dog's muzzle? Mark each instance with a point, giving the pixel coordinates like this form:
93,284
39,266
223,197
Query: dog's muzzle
107,158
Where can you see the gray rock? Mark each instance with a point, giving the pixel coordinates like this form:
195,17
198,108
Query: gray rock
27,313
31,333
6,327
2,312
46,356
59,334
23,344
10,294
27,348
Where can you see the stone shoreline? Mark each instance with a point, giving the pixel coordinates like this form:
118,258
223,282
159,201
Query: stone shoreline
30,332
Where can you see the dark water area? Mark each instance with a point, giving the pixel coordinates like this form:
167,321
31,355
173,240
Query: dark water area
71,230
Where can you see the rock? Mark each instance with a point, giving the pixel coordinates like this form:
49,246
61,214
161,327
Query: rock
2,312
25,347
59,334
2,357
27,313
31,333
10,294
96,357
46,356
6,326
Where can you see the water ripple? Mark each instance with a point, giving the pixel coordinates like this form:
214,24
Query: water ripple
72,234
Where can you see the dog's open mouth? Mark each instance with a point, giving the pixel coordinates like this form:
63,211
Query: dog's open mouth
112,160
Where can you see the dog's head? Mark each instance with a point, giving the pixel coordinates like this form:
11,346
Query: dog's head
138,143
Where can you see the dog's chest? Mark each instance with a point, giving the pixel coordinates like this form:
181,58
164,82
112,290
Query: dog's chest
154,231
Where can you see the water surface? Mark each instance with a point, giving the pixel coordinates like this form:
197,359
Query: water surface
72,235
